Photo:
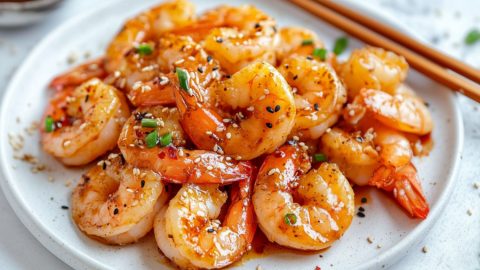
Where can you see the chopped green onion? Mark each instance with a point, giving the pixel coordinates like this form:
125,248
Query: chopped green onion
319,157
152,139
183,79
144,49
340,45
307,42
151,123
290,219
320,53
472,37
166,139
49,124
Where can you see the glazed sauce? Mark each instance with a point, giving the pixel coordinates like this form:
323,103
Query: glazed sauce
261,248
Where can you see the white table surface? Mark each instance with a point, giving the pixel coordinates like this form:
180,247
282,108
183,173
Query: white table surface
453,243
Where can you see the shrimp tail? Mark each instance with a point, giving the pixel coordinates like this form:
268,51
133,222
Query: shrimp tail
406,188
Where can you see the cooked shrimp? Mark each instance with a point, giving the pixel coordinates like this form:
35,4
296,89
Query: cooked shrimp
378,158
190,234
403,111
296,40
242,35
79,74
172,160
116,203
323,207
146,27
84,123
319,95
374,68
253,114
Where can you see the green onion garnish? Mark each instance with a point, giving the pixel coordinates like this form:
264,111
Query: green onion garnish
152,139
319,157
183,79
290,219
144,49
151,123
472,37
340,45
307,42
320,53
49,124
166,139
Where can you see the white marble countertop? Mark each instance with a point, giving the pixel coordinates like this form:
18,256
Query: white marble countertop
453,243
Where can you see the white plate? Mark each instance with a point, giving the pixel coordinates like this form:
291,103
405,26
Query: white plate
30,195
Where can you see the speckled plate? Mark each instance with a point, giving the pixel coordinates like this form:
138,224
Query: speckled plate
37,199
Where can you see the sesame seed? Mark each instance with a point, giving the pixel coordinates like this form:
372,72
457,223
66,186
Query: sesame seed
369,240
208,132
67,143
228,135
197,160
226,120
250,109
136,171
191,58
209,168
328,130
424,249
178,62
163,80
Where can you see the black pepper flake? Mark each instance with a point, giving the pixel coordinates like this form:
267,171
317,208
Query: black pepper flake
361,209
142,183
363,200
122,159
85,178
360,214
309,58
228,76
215,68
219,40
277,108
209,59
269,125
295,77
200,69
104,166
170,236
210,230
86,98
115,211
427,104
64,207
315,106
257,25
270,109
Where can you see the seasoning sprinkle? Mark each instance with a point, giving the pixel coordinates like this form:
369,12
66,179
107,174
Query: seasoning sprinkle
340,45
277,108
315,106
151,139
363,200
472,37
307,42
142,183
360,214
166,139
144,49
151,123
49,124
319,157
115,211
290,219
270,109
183,79
320,53
269,125
64,207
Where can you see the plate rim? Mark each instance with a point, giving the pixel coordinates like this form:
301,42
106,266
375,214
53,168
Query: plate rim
78,260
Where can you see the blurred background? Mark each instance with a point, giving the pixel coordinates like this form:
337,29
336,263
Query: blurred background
453,243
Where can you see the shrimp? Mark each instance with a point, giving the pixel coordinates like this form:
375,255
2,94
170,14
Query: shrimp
84,123
190,234
253,113
240,36
146,27
374,68
117,203
403,111
172,161
319,95
381,158
296,40
79,74
298,207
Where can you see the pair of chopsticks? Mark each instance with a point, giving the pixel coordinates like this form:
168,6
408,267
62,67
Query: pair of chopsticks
424,59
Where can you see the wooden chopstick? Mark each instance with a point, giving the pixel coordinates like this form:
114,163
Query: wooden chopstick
416,60
403,39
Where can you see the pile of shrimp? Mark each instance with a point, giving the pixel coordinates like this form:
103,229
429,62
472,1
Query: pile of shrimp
203,127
